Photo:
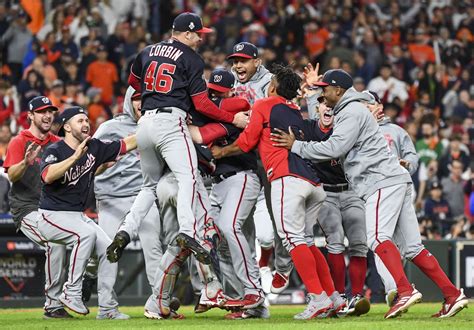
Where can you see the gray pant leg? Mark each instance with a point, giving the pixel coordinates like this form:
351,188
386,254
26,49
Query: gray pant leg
407,234
70,228
353,221
55,263
151,164
150,234
107,271
282,259
170,134
236,197
330,221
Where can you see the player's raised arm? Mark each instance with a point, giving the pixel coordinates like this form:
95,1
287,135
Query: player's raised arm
53,171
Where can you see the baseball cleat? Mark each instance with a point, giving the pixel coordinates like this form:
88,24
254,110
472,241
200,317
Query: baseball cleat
57,314
403,303
112,314
390,297
260,312
250,301
452,305
115,249
280,282
318,304
339,302
358,305
156,316
267,278
74,304
186,242
205,303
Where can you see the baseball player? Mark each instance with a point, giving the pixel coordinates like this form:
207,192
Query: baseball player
253,80
22,166
401,145
67,170
116,188
342,213
296,192
234,193
377,177
169,75
203,131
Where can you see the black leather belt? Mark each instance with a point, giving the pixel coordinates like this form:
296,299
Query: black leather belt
164,109
221,177
336,188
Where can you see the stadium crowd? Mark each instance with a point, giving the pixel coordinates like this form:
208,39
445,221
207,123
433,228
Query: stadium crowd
416,55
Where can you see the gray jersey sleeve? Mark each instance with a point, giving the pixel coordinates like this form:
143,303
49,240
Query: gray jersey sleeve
313,104
408,151
342,140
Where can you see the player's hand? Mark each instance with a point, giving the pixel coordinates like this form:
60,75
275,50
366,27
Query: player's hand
81,149
405,163
241,119
311,75
378,113
283,139
31,153
216,152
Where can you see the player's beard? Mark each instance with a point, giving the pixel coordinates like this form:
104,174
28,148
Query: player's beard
79,135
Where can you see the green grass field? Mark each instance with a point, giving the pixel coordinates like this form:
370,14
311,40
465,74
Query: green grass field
281,318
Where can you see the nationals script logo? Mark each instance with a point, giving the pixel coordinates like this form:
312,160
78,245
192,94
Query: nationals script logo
75,173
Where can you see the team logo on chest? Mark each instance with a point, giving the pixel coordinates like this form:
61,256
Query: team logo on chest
72,176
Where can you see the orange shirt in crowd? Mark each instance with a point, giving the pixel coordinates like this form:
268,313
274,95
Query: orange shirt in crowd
316,41
103,75
34,8
420,54
95,110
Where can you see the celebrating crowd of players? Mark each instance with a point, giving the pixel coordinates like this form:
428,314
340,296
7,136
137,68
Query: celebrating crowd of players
336,169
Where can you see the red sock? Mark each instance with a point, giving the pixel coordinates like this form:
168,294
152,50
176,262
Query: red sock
357,272
337,266
323,270
388,252
430,266
306,267
265,255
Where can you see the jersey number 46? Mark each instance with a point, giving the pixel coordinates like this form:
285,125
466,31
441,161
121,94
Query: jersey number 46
158,78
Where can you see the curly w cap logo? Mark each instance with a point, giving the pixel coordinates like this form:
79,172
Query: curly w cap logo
239,47
45,100
217,78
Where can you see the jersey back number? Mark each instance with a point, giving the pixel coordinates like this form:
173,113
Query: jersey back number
158,78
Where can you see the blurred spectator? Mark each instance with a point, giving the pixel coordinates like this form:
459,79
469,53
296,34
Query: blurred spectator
95,108
453,188
29,88
6,101
437,208
316,38
427,175
57,93
429,146
387,87
453,152
5,136
364,69
16,40
421,52
103,74
66,43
